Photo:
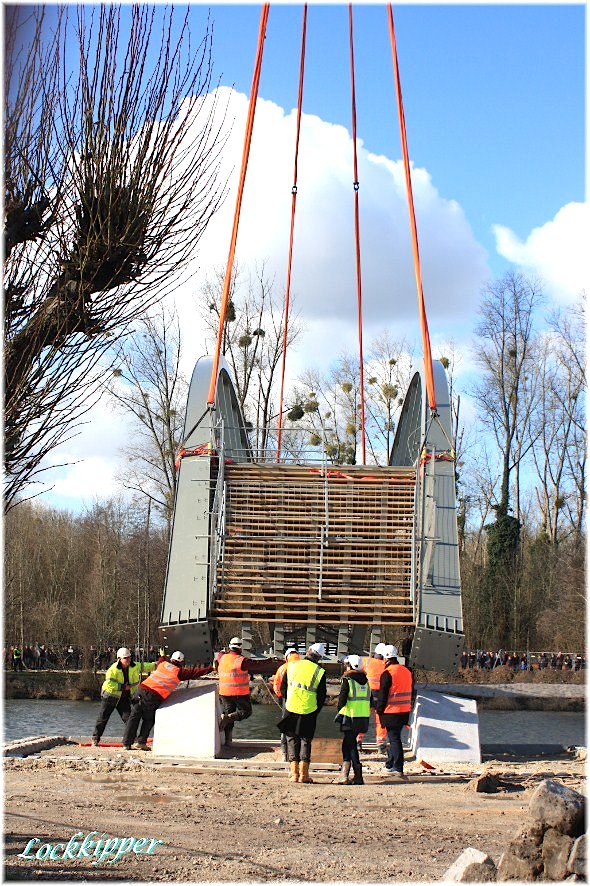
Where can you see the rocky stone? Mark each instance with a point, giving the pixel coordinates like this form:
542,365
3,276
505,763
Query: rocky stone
472,866
523,860
486,783
557,806
577,860
556,852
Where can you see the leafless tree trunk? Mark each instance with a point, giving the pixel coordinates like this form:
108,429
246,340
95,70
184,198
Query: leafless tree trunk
148,385
111,176
505,355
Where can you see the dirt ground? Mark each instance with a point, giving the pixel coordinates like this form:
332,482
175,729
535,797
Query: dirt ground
250,823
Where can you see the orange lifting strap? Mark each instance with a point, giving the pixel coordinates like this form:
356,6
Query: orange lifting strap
293,204
357,237
417,271
234,234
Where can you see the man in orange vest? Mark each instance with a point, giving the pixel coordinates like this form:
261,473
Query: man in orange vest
290,655
167,677
394,704
234,687
373,668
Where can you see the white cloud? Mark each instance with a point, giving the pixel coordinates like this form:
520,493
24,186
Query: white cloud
90,460
93,476
556,251
324,276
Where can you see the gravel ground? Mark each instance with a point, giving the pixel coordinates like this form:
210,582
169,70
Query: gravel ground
251,824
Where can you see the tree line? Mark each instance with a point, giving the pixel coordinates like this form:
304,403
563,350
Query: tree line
111,175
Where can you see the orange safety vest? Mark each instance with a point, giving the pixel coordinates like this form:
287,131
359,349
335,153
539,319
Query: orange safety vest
164,679
278,677
232,680
373,668
400,692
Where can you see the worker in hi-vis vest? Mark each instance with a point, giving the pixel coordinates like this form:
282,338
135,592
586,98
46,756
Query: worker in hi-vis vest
354,706
304,689
234,687
373,668
167,677
120,684
394,704
290,655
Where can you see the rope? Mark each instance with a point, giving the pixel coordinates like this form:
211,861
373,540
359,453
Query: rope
414,230
293,205
357,240
234,235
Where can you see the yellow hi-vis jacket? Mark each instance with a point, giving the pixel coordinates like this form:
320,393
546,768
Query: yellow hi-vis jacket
358,702
303,678
114,680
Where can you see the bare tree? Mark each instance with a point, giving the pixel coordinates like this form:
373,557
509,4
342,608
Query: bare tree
111,176
387,377
148,385
506,355
252,342
560,453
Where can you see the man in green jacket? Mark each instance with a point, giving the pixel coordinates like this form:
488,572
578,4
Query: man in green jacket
121,682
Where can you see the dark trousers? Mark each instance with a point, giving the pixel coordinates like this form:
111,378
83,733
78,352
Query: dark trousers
143,707
350,750
299,748
107,706
240,706
17,664
394,724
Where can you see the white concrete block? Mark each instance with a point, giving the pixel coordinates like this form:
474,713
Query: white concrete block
187,722
445,729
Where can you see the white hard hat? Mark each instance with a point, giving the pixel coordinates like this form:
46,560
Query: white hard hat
235,642
177,656
318,649
123,652
390,652
379,648
289,652
355,662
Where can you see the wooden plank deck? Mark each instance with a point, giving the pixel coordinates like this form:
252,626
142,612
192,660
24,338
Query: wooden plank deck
275,568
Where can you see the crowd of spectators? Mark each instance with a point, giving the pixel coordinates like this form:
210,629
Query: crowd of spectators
480,660
42,657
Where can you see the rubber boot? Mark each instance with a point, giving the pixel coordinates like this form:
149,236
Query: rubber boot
294,773
284,747
344,773
358,774
304,773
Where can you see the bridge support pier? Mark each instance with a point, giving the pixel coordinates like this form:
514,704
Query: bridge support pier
375,638
247,638
278,640
310,634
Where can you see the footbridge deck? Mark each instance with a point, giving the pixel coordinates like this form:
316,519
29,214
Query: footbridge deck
301,543
290,552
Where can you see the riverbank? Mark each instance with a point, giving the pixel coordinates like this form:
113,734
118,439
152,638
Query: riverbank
501,689
239,819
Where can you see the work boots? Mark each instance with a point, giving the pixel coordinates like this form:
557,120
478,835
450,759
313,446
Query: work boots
358,773
304,773
344,773
294,773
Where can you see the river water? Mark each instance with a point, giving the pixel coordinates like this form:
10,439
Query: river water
26,717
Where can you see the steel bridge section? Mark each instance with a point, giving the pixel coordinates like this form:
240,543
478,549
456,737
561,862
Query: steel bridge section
197,524
198,541
426,441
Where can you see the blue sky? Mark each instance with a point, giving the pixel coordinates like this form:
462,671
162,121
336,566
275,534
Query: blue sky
493,95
